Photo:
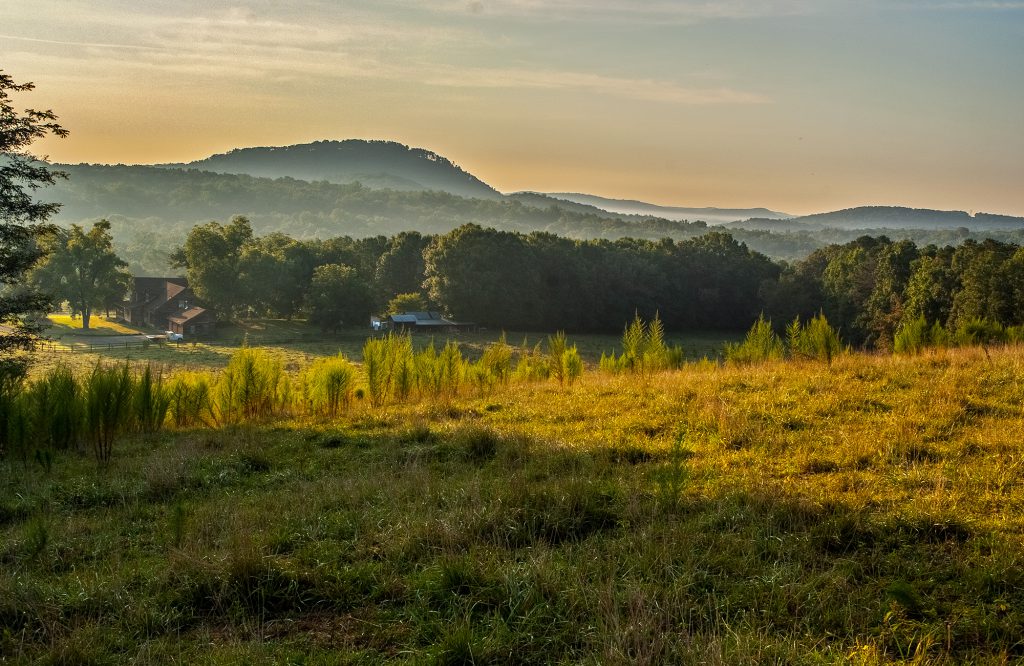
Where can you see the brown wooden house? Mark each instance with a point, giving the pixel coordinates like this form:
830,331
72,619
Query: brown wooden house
167,304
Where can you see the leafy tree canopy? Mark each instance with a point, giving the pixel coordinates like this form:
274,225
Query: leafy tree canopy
22,219
338,296
81,268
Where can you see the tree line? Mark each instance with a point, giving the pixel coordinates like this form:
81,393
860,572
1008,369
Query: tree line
872,286
500,279
867,288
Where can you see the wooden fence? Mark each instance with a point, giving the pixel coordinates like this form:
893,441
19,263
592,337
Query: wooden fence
55,347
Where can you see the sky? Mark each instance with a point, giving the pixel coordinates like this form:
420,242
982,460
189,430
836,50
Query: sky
797,105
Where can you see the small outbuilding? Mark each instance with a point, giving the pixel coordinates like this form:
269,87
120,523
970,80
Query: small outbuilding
425,321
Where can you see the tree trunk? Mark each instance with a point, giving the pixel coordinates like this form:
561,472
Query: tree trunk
86,314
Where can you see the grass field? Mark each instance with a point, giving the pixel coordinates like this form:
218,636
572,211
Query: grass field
299,343
63,325
871,511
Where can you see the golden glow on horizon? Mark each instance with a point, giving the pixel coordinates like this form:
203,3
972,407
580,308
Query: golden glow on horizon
741,104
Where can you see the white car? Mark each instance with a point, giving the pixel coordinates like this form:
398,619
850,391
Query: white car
174,337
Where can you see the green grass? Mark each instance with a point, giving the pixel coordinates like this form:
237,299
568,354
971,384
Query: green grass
869,511
64,325
299,344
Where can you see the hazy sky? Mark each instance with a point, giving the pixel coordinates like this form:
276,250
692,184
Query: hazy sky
798,105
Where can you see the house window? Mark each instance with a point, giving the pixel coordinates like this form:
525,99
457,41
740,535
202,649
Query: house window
183,305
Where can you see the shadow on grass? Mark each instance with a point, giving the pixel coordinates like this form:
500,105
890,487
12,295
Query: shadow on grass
521,548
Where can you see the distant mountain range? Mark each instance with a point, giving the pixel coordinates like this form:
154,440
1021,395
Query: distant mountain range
630,207
395,166
886,217
374,164
368,188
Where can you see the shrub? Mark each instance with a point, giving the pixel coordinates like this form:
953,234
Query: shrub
328,384
108,408
644,350
251,387
428,379
405,375
390,368
980,332
912,336
450,369
497,360
761,344
572,365
915,335
54,407
188,396
481,377
633,344
815,340
17,424
610,363
532,366
556,356
150,401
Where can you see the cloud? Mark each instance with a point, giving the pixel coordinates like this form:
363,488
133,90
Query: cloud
237,43
675,11
638,89
242,47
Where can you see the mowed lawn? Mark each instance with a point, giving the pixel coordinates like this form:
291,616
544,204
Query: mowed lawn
868,511
61,325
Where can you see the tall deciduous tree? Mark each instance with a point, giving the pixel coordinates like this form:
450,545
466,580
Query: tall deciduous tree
22,219
81,268
211,257
338,296
275,271
400,270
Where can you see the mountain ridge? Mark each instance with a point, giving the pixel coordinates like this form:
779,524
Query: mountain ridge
883,218
376,164
709,214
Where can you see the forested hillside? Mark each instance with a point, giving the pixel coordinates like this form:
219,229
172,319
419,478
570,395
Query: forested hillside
378,164
152,210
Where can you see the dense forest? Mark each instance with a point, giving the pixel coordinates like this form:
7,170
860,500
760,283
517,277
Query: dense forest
872,286
493,278
867,288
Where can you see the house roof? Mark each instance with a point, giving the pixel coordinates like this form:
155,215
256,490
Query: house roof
149,289
188,315
422,319
155,294
174,289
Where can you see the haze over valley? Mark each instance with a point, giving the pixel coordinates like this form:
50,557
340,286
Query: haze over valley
367,188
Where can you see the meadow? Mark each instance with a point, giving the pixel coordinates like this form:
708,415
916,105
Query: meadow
298,344
867,510
64,325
